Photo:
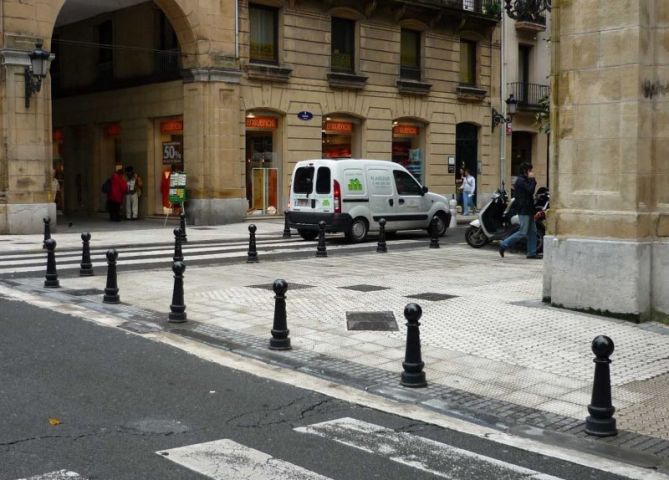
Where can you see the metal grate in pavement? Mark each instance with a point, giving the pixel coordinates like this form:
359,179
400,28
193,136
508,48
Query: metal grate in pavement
291,286
432,297
375,321
365,288
84,292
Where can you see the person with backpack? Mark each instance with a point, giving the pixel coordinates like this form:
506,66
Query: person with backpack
116,193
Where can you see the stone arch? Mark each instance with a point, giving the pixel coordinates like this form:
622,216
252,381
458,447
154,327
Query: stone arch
182,15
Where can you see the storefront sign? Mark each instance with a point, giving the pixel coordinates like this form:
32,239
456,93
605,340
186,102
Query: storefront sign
406,130
339,127
172,153
112,130
58,135
172,126
177,188
261,122
305,116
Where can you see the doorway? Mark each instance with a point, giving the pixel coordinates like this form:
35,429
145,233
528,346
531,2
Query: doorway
466,151
521,150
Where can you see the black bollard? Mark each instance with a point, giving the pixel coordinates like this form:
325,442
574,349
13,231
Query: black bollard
413,375
178,253
111,289
600,422
381,246
47,230
178,308
86,267
252,253
286,228
182,224
280,339
51,273
321,249
434,233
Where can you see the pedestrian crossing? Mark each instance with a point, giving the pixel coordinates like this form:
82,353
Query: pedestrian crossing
147,256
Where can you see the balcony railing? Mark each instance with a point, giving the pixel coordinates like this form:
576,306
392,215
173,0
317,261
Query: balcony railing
528,94
492,8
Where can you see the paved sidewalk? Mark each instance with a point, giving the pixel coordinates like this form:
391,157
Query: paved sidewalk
493,338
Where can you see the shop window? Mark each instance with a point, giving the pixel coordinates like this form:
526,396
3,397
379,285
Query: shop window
262,164
407,148
264,34
410,55
343,45
467,62
304,180
405,184
337,138
323,180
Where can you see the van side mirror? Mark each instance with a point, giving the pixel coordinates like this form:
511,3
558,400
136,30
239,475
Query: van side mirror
424,190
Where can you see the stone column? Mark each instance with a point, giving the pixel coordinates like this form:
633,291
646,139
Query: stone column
25,155
609,245
212,145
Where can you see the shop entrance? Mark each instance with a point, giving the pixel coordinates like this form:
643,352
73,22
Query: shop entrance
466,151
408,148
262,164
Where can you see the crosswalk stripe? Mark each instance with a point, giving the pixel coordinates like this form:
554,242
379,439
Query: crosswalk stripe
437,458
228,460
59,475
162,255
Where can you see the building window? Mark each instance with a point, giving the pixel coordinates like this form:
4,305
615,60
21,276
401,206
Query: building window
105,67
264,34
467,62
410,55
343,45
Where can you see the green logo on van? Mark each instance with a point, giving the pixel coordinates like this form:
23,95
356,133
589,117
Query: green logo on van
326,203
354,185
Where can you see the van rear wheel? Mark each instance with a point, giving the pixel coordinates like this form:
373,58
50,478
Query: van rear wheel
358,230
308,234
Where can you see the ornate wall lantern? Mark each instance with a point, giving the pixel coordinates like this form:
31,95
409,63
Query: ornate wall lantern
511,108
36,72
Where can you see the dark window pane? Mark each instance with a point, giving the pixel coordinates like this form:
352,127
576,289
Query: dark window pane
304,180
343,45
467,62
263,40
410,55
405,184
323,180
105,40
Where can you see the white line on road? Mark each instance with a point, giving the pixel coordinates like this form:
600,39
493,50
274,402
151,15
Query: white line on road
437,458
228,460
59,475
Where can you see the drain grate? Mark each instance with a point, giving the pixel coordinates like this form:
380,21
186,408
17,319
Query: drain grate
376,321
432,297
202,228
365,288
84,292
291,286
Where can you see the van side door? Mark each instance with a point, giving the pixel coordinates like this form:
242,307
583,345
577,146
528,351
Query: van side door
382,197
411,212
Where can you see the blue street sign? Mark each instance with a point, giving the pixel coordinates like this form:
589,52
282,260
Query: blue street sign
305,116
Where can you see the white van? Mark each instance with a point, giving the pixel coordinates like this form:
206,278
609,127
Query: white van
351,196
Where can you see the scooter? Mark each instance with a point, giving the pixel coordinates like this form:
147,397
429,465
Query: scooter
498,220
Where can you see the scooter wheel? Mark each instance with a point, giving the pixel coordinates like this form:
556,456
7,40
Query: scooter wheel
475,237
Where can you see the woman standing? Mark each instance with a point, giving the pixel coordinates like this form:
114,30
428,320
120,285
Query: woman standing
468,190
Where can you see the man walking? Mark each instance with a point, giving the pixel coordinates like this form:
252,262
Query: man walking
117,189
524,205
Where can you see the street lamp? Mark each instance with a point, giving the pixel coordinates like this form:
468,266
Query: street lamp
38,69
526,9
511,108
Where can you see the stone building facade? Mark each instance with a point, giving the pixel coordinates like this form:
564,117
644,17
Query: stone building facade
234,93
610,171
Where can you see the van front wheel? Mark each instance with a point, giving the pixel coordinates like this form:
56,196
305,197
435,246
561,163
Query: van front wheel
357,232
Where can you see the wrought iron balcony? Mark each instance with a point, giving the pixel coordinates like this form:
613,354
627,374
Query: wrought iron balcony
528,94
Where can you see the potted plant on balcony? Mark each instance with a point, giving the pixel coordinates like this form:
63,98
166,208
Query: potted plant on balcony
492,8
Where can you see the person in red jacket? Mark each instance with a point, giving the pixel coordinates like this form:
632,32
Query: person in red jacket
117,191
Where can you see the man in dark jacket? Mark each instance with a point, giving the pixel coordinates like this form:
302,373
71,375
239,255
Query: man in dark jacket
524,205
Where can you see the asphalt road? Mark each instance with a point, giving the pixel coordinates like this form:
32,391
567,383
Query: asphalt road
121,398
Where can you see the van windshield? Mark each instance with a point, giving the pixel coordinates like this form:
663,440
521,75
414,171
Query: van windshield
304,180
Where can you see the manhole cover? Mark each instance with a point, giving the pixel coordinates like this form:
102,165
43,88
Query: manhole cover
365,288
291,286
432,297
379,321
83,292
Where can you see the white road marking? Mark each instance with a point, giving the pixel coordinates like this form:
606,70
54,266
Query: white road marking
430,456
59,475
228,460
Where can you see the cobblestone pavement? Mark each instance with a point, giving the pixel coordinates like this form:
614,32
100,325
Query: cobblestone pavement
494,337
